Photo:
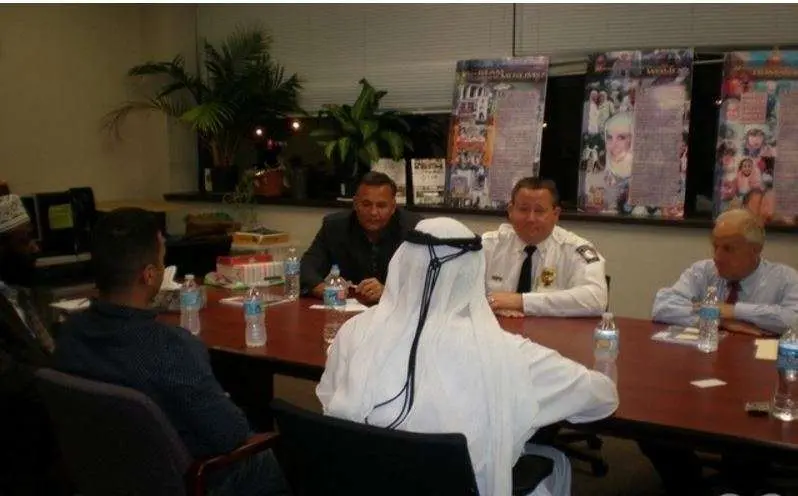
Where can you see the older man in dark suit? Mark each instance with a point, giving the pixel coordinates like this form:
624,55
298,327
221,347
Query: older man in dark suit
27,446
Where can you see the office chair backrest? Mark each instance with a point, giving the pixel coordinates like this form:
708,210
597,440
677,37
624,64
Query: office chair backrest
337,457
114,439
84,213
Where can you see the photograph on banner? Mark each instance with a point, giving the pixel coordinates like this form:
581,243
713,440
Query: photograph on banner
758,116
634,133
494,138
396,170
429,180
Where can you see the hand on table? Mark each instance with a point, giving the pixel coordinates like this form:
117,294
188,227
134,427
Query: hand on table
506,301
740,327
369,290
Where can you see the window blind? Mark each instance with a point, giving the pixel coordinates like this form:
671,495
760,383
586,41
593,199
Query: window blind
567,30
409,50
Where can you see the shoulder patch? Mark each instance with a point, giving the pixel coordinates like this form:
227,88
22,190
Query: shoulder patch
588,253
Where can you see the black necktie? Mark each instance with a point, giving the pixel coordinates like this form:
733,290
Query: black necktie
734,292
525,279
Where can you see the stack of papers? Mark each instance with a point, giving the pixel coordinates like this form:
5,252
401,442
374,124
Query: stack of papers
766,349
352,305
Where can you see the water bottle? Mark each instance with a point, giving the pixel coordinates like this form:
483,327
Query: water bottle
254,319
784,405
190,303
335,289
606,339
291,271
709,321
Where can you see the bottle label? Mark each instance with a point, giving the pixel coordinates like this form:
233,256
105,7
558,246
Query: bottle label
189,298
605,339
334,297
253,307
709,313
292,267
787,357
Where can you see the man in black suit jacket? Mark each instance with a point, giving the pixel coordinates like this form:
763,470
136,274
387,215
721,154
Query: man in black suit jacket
360,242
28,451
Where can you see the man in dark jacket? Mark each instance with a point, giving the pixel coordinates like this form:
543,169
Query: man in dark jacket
118,340
28,450
360,242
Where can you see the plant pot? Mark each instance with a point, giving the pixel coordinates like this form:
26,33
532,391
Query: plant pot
224,179
269,183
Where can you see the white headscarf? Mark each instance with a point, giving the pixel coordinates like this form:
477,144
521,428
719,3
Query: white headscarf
466,381
12,213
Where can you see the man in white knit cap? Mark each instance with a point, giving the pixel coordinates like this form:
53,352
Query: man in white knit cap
27,448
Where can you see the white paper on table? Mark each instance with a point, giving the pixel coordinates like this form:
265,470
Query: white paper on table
766,349
707,383
268,299
352,305
72,305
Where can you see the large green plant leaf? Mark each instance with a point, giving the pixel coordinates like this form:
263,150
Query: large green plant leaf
396,143
345,149
368,128
209,118
113,120
373,151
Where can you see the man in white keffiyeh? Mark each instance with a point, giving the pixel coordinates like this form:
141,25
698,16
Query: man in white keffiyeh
468,375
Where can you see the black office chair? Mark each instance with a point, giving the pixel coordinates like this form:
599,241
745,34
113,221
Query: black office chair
117,442
331,456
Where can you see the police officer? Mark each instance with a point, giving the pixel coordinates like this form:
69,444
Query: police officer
535,267
758,296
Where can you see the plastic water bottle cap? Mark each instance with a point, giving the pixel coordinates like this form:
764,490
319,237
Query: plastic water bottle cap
607,315
189,277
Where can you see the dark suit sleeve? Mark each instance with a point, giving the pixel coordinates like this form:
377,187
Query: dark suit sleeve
199,399
315,264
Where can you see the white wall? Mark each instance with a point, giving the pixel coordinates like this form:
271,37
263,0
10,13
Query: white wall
62,68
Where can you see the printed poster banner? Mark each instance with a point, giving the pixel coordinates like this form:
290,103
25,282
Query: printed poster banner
759,113
494,139
634,133
429,180
396,170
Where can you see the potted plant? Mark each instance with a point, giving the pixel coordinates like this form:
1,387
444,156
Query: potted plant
355,136
242,87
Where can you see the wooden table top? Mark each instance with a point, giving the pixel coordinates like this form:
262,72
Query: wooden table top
653,377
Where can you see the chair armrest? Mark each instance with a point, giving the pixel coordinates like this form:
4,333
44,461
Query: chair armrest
195,475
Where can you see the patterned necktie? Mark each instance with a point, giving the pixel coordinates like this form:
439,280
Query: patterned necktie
525,279
33,321
734,292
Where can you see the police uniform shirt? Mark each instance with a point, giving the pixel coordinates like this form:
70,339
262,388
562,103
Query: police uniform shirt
768,298
568,274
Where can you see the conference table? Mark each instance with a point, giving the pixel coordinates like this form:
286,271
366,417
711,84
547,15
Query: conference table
657,399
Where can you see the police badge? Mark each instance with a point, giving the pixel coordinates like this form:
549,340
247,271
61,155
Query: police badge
547,276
